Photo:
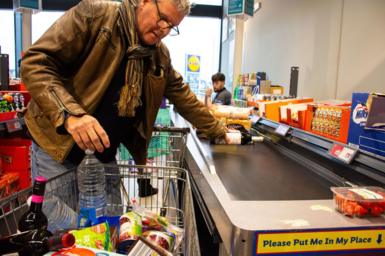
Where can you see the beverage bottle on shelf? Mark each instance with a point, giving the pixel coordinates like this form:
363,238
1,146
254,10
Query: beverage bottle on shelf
241,93
235,95
35,242
34,218
60,215
92,184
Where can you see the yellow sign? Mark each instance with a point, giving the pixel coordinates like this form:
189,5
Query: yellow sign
193,63
320,241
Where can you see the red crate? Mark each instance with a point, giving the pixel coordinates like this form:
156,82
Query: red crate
15,156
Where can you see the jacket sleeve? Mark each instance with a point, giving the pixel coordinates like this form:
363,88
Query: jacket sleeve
189,106
47,64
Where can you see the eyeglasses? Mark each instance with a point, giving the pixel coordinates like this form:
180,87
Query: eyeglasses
164,24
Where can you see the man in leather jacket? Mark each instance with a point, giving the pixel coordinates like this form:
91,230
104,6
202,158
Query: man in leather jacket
97,77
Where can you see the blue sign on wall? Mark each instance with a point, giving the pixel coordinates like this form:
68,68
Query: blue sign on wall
235,7
239,7
32,4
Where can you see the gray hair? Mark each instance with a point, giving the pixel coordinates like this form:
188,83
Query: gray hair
183,6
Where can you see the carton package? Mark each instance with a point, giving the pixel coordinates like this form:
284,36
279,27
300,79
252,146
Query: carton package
277,90
232,112
271,109
329,119
294,114
365,123
265,87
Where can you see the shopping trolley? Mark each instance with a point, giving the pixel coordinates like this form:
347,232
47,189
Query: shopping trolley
166,148
173,200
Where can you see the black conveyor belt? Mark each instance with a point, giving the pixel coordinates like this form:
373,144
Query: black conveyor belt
259,172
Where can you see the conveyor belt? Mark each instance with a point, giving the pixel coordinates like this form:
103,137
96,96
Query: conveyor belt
259,172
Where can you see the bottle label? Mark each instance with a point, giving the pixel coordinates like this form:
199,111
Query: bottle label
235,137
37,199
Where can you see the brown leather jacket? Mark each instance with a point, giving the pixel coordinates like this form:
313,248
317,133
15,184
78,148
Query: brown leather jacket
70,67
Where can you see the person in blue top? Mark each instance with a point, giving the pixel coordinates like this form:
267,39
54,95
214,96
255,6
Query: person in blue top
222,96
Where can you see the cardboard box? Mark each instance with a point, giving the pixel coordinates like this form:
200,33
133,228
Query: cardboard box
277,90
271,109
265,87
366,139
329,120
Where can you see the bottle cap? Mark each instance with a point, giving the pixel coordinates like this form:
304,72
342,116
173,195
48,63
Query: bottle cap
89,152
60,240
41,179
68,240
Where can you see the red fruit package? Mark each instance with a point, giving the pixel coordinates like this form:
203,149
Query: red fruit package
359,201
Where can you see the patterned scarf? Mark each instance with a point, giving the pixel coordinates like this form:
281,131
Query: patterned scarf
130,95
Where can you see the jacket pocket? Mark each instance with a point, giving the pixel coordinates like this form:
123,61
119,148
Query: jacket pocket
157,82
34,109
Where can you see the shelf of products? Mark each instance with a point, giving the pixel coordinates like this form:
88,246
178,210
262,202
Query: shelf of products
363,162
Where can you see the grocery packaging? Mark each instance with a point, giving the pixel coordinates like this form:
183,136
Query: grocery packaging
130,230
163,239
367,138
359,201
330,121
230,112
97,237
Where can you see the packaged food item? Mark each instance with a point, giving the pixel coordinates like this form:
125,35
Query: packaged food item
231,112
165,240
113,222
178,235
75,251
150,220
130,230
95,237
87,218
359,201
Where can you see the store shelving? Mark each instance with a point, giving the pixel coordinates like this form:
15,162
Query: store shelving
364,162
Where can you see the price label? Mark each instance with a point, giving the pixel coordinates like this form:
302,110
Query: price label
13,125
255,119
282,129
343,153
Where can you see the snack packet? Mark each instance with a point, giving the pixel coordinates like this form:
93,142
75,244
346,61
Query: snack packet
130,230
178,234
97,237
163,239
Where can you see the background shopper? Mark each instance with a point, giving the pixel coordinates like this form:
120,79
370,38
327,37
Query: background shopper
222,96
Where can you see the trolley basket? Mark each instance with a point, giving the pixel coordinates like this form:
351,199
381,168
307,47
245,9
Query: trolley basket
173,197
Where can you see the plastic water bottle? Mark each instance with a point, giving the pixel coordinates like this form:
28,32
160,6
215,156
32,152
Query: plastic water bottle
92,184
60,215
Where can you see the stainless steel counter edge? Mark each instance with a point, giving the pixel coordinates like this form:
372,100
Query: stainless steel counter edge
246,216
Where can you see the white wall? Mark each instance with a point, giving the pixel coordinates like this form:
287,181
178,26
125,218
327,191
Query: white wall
322,38
362,62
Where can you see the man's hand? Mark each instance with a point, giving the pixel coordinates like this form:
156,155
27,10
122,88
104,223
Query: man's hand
209,91
87,133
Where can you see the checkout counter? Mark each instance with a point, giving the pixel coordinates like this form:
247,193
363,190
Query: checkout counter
274,197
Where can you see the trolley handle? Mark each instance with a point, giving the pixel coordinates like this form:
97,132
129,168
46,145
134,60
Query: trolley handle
183,130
